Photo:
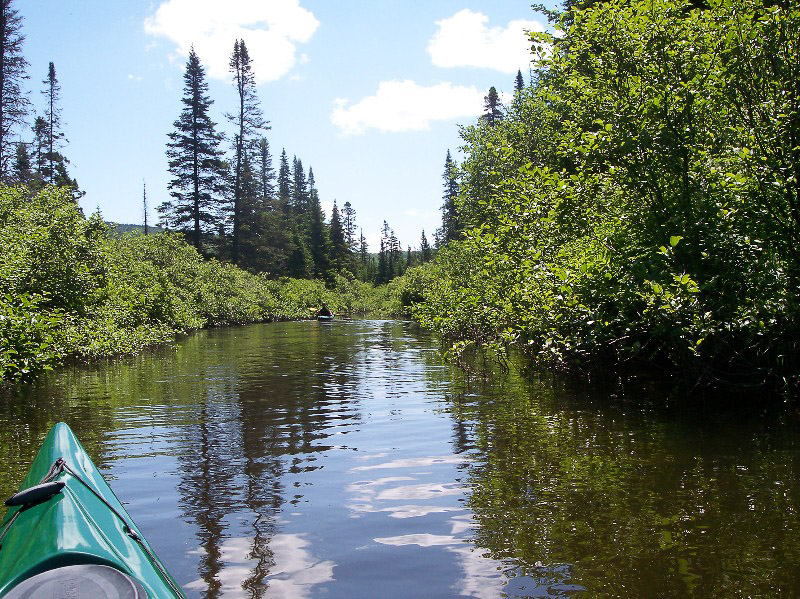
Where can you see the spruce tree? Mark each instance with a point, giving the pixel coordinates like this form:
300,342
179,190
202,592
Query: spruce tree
22,172
382,275
266,174
317,235
339,250
53,135
519,86
363,257
248,121
13,71
492,108
424,248
450,224
39,147
299,263
284,183
144,205
300,190
349,225
194,161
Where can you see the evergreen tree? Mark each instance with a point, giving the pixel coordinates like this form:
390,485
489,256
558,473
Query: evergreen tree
266,174
284,183
317,235
366,264
519,86
409,259
363,249
383,264
248,121
395,250
492,107
144,205
251,239
39,147
13,71
300,189
424,248
194,161
450,225
22,172
349,225
299,262
339,250
52,117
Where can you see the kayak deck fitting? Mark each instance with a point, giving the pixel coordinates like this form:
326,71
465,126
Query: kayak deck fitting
67,535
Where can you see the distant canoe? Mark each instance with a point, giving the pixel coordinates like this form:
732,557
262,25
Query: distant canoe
326,318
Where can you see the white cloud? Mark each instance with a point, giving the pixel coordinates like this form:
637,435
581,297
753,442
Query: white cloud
465,40
406,106
271,29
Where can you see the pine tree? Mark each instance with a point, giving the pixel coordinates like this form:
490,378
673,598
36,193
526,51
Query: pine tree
284,183
300,189
349,225
519,86
144,205
251,239
194,161
266,174
340,251
492,107
248,121
39,147
52,117
13,71
22,172
450,225
363,249
383,264
424,248
299,262
317,235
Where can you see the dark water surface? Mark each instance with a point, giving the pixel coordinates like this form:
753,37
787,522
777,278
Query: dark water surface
309,460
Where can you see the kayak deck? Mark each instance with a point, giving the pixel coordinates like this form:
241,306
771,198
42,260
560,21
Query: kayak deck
82,523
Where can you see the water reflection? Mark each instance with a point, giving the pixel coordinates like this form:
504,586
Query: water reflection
299,460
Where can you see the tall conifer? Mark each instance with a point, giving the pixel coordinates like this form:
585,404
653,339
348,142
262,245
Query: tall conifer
13,71
492,107
194,161
266,174
248,121
450,225
284,183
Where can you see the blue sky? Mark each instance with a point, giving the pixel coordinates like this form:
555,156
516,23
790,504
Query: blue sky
367,93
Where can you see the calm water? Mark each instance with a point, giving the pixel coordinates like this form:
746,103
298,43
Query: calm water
346,460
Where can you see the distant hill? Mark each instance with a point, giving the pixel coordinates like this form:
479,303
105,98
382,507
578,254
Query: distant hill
120,228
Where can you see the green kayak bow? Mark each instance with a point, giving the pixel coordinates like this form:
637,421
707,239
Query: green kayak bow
67,535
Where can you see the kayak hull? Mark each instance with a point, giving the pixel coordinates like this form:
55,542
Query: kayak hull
84,523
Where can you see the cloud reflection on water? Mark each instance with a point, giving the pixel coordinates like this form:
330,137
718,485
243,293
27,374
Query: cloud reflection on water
294,573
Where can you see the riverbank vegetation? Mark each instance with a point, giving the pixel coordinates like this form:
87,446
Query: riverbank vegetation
73,289
639,202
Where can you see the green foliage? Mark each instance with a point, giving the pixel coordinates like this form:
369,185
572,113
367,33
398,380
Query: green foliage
27,338
74,289
640,202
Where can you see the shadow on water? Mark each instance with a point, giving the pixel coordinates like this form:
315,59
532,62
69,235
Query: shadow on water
308,459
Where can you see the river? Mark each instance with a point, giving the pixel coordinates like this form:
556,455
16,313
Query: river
345,459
